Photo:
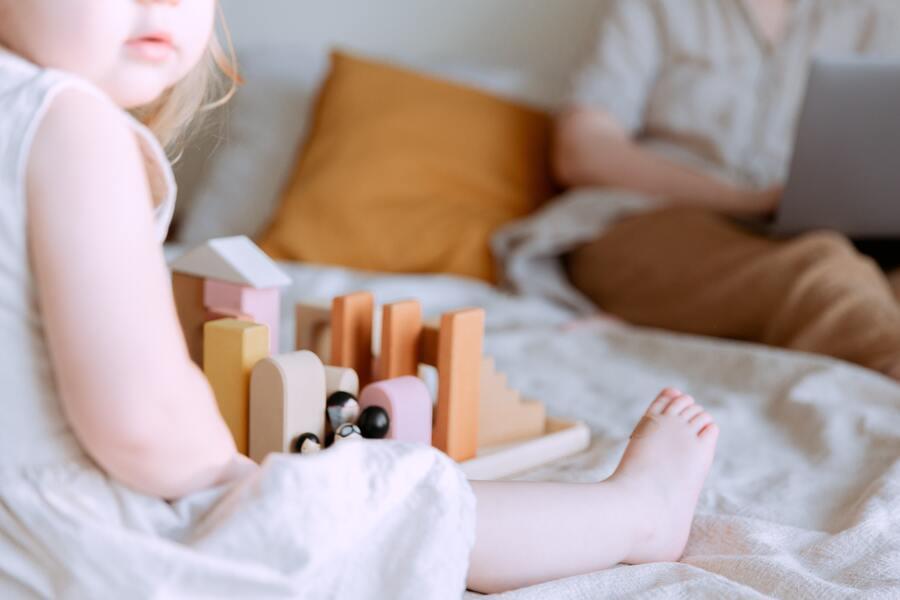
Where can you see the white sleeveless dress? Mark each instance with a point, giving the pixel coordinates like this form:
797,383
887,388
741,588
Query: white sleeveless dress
360,520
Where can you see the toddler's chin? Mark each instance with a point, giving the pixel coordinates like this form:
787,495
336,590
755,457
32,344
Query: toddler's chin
135,96
139,86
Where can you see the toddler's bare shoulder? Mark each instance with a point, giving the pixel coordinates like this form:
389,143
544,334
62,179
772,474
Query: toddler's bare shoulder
81,141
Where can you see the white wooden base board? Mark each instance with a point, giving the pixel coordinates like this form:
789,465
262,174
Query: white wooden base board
562,438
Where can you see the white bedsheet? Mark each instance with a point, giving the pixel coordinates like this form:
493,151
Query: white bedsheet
803,500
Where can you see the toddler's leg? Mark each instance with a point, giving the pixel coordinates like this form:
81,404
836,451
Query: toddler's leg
529,532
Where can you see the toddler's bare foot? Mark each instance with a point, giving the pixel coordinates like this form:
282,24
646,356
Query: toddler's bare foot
665,465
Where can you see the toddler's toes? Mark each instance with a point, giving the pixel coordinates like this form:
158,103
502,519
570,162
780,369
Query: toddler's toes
678,404
710,433
698,422
662,401
690,412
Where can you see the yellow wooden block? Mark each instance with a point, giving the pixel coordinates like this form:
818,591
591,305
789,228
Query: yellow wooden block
231,348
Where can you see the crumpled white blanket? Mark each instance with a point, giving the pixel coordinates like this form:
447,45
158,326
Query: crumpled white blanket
528,251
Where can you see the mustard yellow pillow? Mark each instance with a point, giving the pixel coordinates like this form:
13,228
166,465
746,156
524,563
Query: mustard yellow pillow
406,173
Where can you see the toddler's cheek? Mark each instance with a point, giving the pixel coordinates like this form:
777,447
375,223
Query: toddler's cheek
193,30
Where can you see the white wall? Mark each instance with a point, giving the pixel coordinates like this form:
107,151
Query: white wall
545,35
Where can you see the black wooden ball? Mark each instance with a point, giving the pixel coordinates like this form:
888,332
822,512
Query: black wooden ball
306,443
374,423
342,407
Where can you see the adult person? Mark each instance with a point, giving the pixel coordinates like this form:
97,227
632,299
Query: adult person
694,103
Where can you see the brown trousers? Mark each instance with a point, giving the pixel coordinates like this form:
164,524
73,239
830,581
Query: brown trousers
693,271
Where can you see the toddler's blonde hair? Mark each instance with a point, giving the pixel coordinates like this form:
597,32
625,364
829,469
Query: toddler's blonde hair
209,85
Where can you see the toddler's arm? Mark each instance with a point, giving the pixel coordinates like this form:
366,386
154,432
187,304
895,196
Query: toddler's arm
137,403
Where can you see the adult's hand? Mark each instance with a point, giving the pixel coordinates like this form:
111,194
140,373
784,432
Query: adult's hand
761,203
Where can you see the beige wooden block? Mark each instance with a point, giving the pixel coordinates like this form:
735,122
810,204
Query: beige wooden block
560,439
503,416
351,334
313,329
188,292
401,329
459,378
340,379
287,399
231,348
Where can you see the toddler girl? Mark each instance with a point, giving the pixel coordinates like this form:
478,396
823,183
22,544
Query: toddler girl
118,476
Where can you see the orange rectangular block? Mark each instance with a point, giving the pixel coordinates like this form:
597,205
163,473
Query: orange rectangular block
401,328
428,343
351,334
231,348
188,292
460,346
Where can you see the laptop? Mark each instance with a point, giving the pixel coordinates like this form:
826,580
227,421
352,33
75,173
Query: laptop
845,171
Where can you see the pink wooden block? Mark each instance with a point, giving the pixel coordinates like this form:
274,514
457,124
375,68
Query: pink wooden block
261,305
408,405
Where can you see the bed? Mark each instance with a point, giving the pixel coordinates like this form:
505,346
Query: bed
803,500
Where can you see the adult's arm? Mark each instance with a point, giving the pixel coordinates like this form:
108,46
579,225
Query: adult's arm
137,404
593,149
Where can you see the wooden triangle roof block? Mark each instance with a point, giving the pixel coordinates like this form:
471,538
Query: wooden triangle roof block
233,259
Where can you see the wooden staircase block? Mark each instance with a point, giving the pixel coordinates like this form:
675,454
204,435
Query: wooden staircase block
503,416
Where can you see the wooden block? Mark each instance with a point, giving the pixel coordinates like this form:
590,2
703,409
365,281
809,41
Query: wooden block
428,343
188,292
351,334
231,349
287,399
236,259
560,439
503,416
313,329
459,376
408,405
217,314
263,305
339,379
401,329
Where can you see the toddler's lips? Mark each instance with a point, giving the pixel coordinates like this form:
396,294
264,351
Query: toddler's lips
151,48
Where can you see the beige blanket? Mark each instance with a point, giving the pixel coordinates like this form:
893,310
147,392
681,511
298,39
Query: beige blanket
803,500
